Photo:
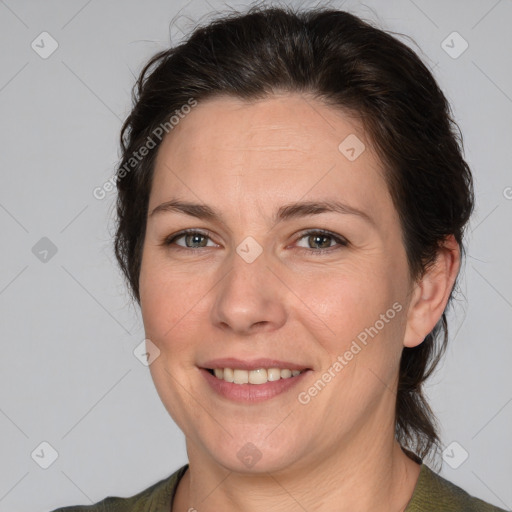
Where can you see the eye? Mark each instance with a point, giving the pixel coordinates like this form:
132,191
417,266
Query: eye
318,237
195,239
192,239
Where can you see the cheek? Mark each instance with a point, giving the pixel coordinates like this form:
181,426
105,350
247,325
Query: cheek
357,313
169,301
164,292
156,301
348,296
172,304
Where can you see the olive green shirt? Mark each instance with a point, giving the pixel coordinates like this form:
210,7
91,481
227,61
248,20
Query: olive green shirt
432,493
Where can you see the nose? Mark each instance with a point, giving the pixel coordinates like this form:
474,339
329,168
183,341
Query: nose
249,298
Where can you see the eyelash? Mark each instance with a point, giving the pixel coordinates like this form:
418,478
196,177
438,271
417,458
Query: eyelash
320,232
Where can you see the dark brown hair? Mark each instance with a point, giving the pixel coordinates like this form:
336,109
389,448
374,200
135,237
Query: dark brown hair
347,64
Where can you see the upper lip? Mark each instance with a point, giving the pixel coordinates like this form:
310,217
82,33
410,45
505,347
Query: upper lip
252,364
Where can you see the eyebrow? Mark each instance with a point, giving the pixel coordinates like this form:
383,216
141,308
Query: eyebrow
285,212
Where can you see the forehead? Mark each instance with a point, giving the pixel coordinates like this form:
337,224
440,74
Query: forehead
285,147
280,124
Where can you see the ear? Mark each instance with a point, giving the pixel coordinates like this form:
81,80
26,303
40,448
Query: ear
431,293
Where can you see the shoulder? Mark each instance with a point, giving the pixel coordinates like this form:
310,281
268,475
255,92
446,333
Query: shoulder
433,492
156,498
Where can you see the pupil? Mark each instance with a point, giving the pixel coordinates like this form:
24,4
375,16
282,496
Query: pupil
319,237
195,238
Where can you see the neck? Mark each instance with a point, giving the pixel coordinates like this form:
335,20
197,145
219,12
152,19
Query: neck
383,478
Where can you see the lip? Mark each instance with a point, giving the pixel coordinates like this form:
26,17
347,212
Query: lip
251,393
252,364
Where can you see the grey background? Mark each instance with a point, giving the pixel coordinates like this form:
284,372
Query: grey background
68,331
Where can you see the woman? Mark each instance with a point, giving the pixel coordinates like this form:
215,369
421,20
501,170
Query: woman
292,200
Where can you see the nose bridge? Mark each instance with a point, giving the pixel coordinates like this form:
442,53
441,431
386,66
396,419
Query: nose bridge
248,295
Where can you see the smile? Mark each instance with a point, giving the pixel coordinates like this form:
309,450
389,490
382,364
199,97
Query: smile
243,391
257,377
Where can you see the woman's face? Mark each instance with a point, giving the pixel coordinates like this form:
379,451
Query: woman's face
251,289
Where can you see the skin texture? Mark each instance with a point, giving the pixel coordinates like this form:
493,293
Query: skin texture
338,451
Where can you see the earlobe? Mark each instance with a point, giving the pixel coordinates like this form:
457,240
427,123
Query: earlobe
431,293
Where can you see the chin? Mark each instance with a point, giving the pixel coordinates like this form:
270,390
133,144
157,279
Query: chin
242,456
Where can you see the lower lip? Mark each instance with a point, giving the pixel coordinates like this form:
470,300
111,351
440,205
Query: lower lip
251,393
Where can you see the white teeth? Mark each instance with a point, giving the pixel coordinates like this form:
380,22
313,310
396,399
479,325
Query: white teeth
273,374
259,376
228,375
241,377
